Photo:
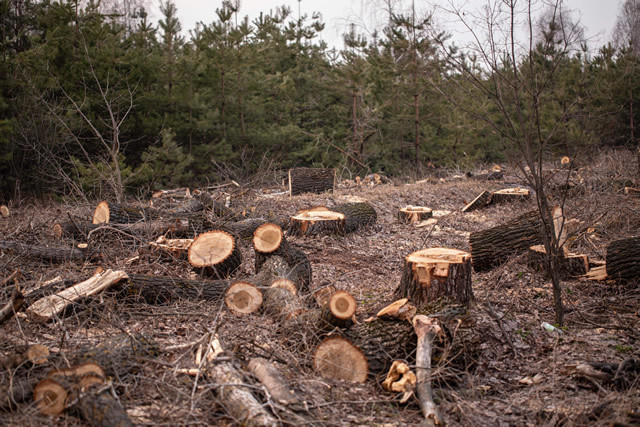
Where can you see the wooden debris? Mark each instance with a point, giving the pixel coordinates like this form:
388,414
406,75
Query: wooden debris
177,193
4,211
623,259
162,289
426,330
81,229
414,214
176,248
311,180
482,200
45,253
12,306
337,358
400,379
401,309
437,272
36,354
50,306
274,382
215,253
598,274
243,298
632,191
108,213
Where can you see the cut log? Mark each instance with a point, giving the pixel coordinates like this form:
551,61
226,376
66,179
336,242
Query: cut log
243,298
50,306
281,304
274,382
267,238
571,265
481,201
338,359
510,195
426,330
215,253
36,354
340,309
494,246
413,214
12,306
623,260
4,211
176,193
357,215
433,273
122,214
81,229
312,222
161,289
311,180
45,253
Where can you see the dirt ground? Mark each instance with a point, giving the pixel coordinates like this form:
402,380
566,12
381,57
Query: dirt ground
516,372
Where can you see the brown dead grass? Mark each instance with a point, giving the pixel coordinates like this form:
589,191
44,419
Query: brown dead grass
511,301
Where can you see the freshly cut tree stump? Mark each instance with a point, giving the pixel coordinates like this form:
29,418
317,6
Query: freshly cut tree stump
160,289
510,195
50,306
215,253
481,201
623,260
267,238
571,265
312,222
437,272
44,253
337,358
413,214
114,213
311,180
243,298
494,246
4,211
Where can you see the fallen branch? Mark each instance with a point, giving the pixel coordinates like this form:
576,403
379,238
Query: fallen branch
426,331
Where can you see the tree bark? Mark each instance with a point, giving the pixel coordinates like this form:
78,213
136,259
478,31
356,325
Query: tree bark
45,253
162,289
357,215
426,331
569,264
623,260
433,273
311,180
122,214
298,267
481,201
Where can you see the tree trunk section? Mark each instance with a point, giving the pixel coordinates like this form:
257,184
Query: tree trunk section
298,266
243,298
317,221
337,358
494,246
357,215
45,253
623,260
215,254
122,214
570,264
510,195
81,229
433,273
413,214
160,290
311,180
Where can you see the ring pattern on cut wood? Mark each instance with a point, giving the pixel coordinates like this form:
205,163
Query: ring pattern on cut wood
337,358
319,220
436,272
216,253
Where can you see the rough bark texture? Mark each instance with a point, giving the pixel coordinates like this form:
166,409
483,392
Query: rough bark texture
570,265
162,289
99,408
81,229
434,273
298,265
357,215
45,253
311,180
122,214
481,201
494,246
623,260
426,331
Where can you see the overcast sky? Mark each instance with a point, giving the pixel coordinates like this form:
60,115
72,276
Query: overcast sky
597,16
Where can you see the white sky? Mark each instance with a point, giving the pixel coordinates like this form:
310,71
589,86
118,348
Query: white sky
597,16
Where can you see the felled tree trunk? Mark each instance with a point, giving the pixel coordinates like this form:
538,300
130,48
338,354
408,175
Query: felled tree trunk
272,379
337,358
215,254
481,201
413,214
46,308
311,180
494,246
570,264
433,273
80,229
107,212
162,289
75,253
623,259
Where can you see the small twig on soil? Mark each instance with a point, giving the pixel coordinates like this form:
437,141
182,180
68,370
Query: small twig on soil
424,241
12,276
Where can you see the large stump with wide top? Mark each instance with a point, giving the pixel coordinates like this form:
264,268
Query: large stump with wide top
413,214
215,253
436,272
311,180
319,220
623,259
510,195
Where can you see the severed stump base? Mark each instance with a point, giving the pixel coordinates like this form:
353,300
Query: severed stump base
413,214
317,221
510,195
437,272
571,265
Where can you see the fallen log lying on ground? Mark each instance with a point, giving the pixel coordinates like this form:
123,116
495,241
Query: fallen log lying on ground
79,252
163,289
215,254
107,212
311,180
623,259
426,330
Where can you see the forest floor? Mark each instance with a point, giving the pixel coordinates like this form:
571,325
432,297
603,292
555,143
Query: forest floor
520,374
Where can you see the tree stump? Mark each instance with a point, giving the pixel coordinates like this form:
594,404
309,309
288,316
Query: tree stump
481,201
122,214
510,195
570,264
413,214
311,222
494,246
337,358
215,253
437,272
623,260
311,180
